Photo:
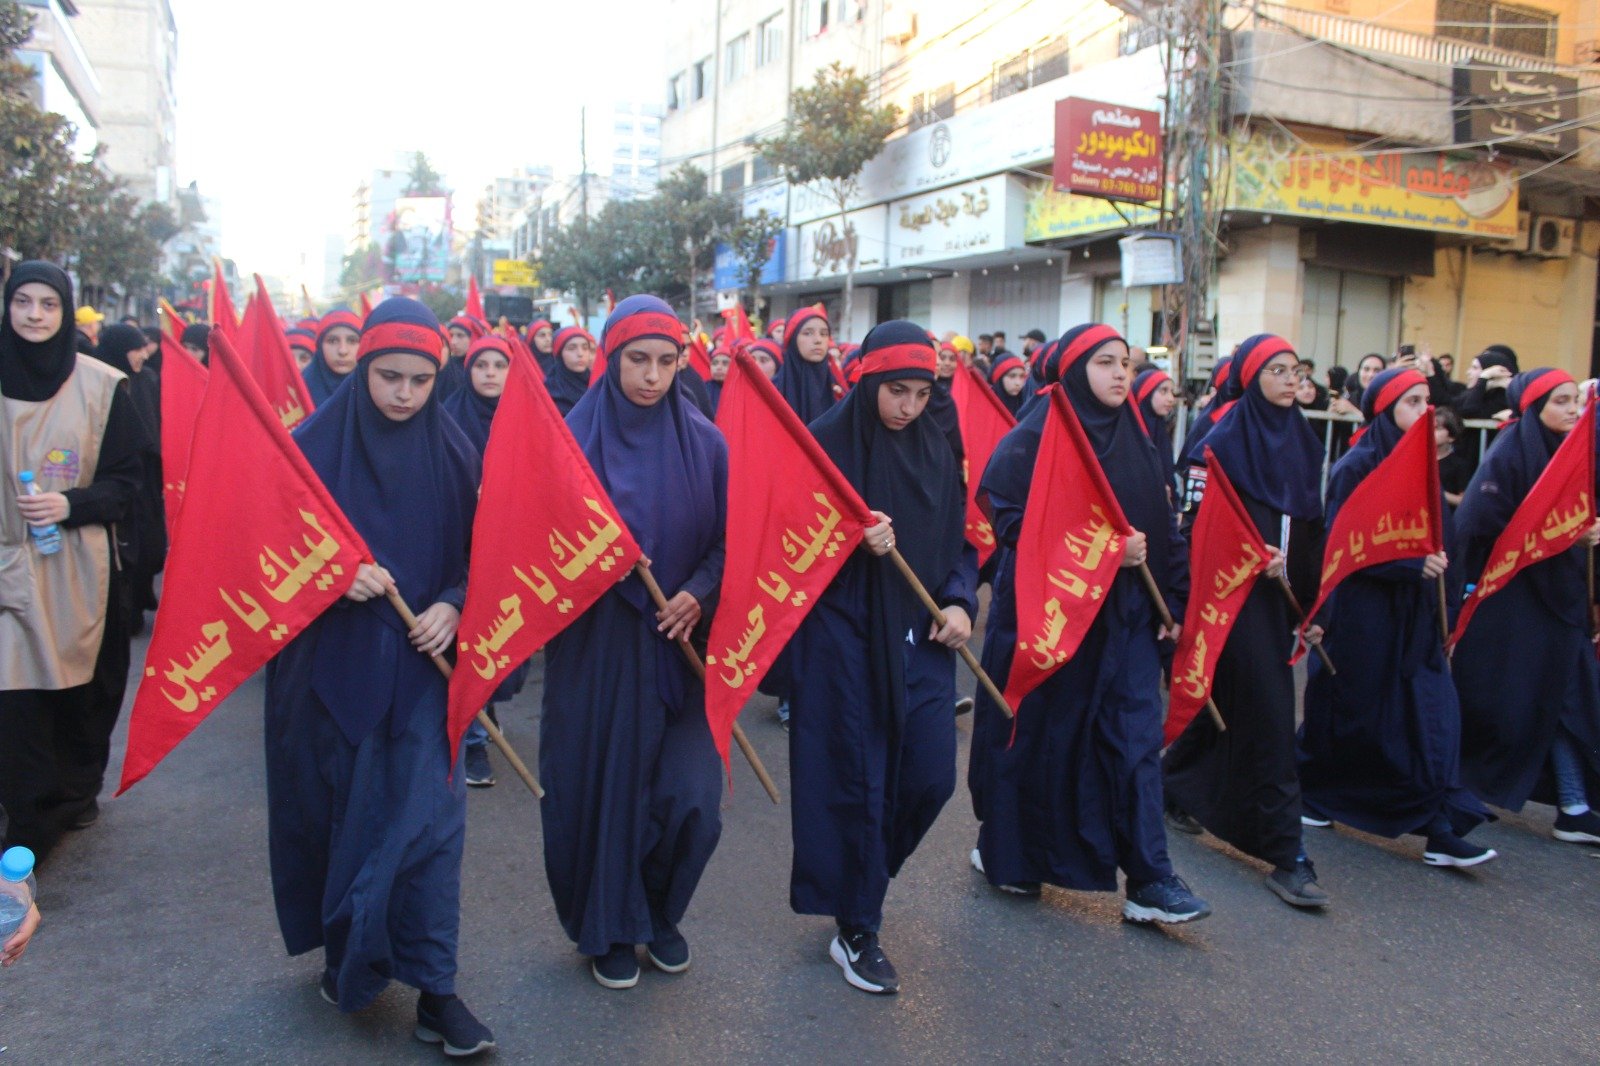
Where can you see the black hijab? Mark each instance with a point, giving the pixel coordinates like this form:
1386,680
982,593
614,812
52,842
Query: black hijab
566,387
807,386
911,476
1156,428
34,372
1270,453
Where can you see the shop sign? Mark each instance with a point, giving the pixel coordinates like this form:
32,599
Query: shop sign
1107,150
1059,216
963,220
826,247
1536,110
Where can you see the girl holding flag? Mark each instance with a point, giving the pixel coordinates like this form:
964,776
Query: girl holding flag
631,817
365,823
1380,745
1070,790
1530,731
872,745
1242,784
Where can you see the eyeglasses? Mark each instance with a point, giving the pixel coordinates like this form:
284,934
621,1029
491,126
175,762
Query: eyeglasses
1281,370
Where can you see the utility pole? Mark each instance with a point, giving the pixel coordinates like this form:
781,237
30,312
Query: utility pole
1198,174
583,162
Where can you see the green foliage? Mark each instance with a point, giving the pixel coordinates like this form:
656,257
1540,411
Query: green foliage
655,245
751,238
443,301
362,269
422,179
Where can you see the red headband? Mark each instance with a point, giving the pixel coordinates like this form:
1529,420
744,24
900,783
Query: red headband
897,357
1395,388
644,324
400,337
1005,365
334,319
1262,354
1542,386
566,335
1083,343
490,343
774,352
1151,384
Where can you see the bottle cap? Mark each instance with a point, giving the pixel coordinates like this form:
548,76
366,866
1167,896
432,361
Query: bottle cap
25,477
16,864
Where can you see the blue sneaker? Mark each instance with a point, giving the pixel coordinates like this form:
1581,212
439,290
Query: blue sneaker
669,952
1168,901
783,714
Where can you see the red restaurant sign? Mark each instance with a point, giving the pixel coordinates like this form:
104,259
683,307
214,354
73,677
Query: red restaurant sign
1108,151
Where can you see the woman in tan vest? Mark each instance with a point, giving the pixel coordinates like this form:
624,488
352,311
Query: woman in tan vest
69,420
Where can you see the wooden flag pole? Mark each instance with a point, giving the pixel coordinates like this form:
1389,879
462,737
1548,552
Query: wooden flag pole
1166,620
1590,576
939,618
1283,583
699,669
483,719
1444,614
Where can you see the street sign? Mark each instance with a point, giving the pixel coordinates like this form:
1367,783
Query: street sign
518,272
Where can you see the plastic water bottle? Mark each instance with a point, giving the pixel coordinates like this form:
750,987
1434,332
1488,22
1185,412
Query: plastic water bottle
46,538
17,889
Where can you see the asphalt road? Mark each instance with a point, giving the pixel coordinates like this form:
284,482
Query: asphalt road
159,945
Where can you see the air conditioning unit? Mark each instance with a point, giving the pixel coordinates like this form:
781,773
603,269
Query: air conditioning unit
1550,237
899,24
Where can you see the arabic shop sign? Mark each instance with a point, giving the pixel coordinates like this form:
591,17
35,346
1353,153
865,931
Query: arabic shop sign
963,220
1312,174
1108,151
1058,216
1537,110
826,247
728,271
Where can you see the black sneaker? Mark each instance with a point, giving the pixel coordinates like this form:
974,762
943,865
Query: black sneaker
1167,900
1298,886
1451,850
964,706
479,774
1578,828
617,968
864,964
86,817
669,952
1182,820
450,1023
1020,888
1315,821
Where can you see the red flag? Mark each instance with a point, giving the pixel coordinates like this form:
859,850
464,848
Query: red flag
259,550
543,549
983,420
223,316
699,358
183,387
1393,514
474,301
793,520
1226,556
266,352
173,321
1554,516
738,325
366,306
1073,539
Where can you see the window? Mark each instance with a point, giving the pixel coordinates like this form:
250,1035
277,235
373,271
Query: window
1512,27
1137,35
1049,62
1011,76
675,98
769,39
1036,66
701,81
736,56
932,107
814,17
761,170
733,178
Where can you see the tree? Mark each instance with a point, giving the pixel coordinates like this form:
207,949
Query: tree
362,269
693,218
38,211
422,179
751,238
833,130
444,302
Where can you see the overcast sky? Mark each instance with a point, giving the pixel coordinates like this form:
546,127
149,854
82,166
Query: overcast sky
284,107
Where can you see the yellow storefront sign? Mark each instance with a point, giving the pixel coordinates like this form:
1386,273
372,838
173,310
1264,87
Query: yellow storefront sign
1054,216
1316,175
517,272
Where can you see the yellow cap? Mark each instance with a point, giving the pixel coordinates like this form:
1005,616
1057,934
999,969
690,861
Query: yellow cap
87,315
961,344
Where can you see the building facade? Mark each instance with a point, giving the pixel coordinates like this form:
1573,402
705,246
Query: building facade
65,81
133,45
1330,119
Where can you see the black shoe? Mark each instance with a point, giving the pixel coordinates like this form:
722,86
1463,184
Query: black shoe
1298,886
448,1021
1450,850
617,968
1315,821
1182,821
864,964
479,774
1167,900
669,952
964,706
86,817
328,987
1578,828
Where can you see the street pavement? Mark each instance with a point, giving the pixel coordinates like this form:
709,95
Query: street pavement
159,945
